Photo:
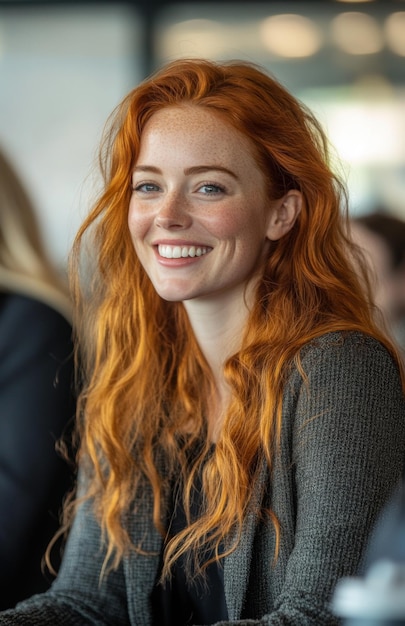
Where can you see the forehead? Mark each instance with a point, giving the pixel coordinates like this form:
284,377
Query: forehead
198,130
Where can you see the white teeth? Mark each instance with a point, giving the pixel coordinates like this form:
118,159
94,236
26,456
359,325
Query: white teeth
177,252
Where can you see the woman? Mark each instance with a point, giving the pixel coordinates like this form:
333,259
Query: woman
241,417
382,238
36,394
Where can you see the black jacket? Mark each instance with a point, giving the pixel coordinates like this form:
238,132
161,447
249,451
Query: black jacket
36,406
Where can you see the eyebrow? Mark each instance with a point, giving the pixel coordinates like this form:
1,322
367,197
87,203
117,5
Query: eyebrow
196,169
200,169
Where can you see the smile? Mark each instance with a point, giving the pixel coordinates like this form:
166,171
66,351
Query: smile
178,252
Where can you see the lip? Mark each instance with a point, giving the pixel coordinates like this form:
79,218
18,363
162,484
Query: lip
179,242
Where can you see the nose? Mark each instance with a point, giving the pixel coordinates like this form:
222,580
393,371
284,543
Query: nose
173,214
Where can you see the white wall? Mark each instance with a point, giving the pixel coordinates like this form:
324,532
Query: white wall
62,71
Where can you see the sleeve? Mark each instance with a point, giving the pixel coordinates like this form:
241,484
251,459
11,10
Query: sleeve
345,435
36,405
348,452
78,596
348,455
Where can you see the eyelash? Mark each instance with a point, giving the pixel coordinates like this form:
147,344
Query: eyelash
140,187
217,188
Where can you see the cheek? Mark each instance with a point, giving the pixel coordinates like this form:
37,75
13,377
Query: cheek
230,222
137,223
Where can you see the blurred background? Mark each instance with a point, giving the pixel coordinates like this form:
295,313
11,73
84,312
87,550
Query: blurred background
64,66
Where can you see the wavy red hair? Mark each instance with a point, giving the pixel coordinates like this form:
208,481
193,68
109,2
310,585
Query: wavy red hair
144,378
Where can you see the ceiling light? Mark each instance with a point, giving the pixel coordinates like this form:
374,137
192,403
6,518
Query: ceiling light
394,29
290,35
357,33
199,37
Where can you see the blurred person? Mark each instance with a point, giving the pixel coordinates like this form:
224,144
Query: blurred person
242,416
36,394
382,238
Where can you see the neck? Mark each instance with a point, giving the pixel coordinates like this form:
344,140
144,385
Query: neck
218,324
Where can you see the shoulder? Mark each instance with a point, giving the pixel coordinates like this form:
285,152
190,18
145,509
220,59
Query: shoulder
346,348
17,308
346,340
347,368
347,389
33,326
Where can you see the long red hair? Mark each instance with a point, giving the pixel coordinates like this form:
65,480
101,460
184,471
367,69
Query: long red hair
144,379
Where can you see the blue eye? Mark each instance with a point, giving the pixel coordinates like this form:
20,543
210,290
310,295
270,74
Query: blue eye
146,187
211,189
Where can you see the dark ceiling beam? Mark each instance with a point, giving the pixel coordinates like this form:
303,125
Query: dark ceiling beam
152,5
148,11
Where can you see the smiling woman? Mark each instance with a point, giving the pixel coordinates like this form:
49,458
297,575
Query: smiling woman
241,419
200,216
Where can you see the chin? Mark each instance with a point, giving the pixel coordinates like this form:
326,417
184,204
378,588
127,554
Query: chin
168,298
170,295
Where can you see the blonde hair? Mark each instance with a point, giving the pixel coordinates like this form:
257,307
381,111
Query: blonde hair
145,378
25,266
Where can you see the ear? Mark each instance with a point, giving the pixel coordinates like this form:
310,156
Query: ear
284,212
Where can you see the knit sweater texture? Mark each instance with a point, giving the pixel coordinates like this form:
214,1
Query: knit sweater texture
342,453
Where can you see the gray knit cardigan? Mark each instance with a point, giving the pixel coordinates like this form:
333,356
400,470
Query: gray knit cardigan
342,452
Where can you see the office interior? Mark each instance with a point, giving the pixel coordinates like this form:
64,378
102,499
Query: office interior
64,66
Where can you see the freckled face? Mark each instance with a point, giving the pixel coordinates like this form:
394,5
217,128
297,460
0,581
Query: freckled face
199,211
